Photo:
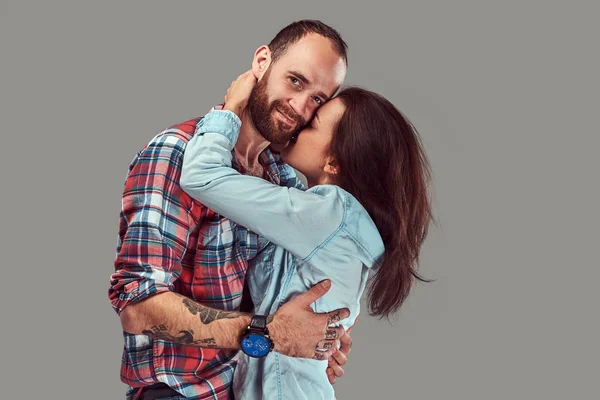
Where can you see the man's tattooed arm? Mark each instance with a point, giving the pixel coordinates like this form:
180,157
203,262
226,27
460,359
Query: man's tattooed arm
184,337
209,328
177,319
208,315
295,331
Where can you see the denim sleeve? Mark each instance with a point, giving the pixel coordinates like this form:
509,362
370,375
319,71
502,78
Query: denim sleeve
298,221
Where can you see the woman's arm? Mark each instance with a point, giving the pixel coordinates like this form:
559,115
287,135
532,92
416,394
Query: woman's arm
296,220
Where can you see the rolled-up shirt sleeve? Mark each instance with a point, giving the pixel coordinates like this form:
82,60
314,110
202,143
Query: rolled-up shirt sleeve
154,225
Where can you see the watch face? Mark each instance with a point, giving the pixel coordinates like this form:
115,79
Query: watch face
255,345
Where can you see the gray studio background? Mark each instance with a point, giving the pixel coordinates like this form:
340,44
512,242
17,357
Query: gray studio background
505,95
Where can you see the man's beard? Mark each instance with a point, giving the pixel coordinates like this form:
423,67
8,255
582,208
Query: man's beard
261,114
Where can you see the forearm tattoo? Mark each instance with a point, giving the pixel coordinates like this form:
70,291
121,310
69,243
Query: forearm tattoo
208,315
185,337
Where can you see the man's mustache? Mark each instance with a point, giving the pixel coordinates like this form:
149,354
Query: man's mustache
290,113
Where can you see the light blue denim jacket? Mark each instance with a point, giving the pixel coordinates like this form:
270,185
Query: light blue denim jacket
321,233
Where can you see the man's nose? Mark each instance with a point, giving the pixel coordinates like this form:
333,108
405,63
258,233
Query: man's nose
300,105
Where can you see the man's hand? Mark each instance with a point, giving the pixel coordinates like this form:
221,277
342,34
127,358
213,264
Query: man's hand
299,332
340,357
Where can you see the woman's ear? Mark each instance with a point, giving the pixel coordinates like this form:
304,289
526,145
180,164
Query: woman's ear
331,166
261,61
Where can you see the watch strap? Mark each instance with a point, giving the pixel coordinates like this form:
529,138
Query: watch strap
259,322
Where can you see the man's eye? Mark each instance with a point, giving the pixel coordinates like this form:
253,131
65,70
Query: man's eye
295,81
319,100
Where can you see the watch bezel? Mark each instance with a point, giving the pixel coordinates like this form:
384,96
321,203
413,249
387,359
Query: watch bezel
257,333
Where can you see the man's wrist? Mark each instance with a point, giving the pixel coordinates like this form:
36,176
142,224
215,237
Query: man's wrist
274,332
256,341
228,332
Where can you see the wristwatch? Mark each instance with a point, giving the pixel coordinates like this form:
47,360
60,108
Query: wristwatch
256,341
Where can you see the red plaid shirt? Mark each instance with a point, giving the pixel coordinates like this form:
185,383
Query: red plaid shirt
170,242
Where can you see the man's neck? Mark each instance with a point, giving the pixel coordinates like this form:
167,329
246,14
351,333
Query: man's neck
249,146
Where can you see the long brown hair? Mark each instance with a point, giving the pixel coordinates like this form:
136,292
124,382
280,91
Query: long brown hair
382,163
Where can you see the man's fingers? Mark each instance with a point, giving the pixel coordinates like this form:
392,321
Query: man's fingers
330,375
335,366
338,358
346,342
315,292
334,332
325,345
337,315
323,355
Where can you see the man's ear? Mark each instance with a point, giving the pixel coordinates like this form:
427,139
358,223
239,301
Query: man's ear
261,61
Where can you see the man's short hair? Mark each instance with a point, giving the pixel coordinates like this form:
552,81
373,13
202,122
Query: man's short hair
297,30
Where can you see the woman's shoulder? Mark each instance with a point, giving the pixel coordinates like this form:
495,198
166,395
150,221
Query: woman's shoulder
330,208
334,192
355,221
